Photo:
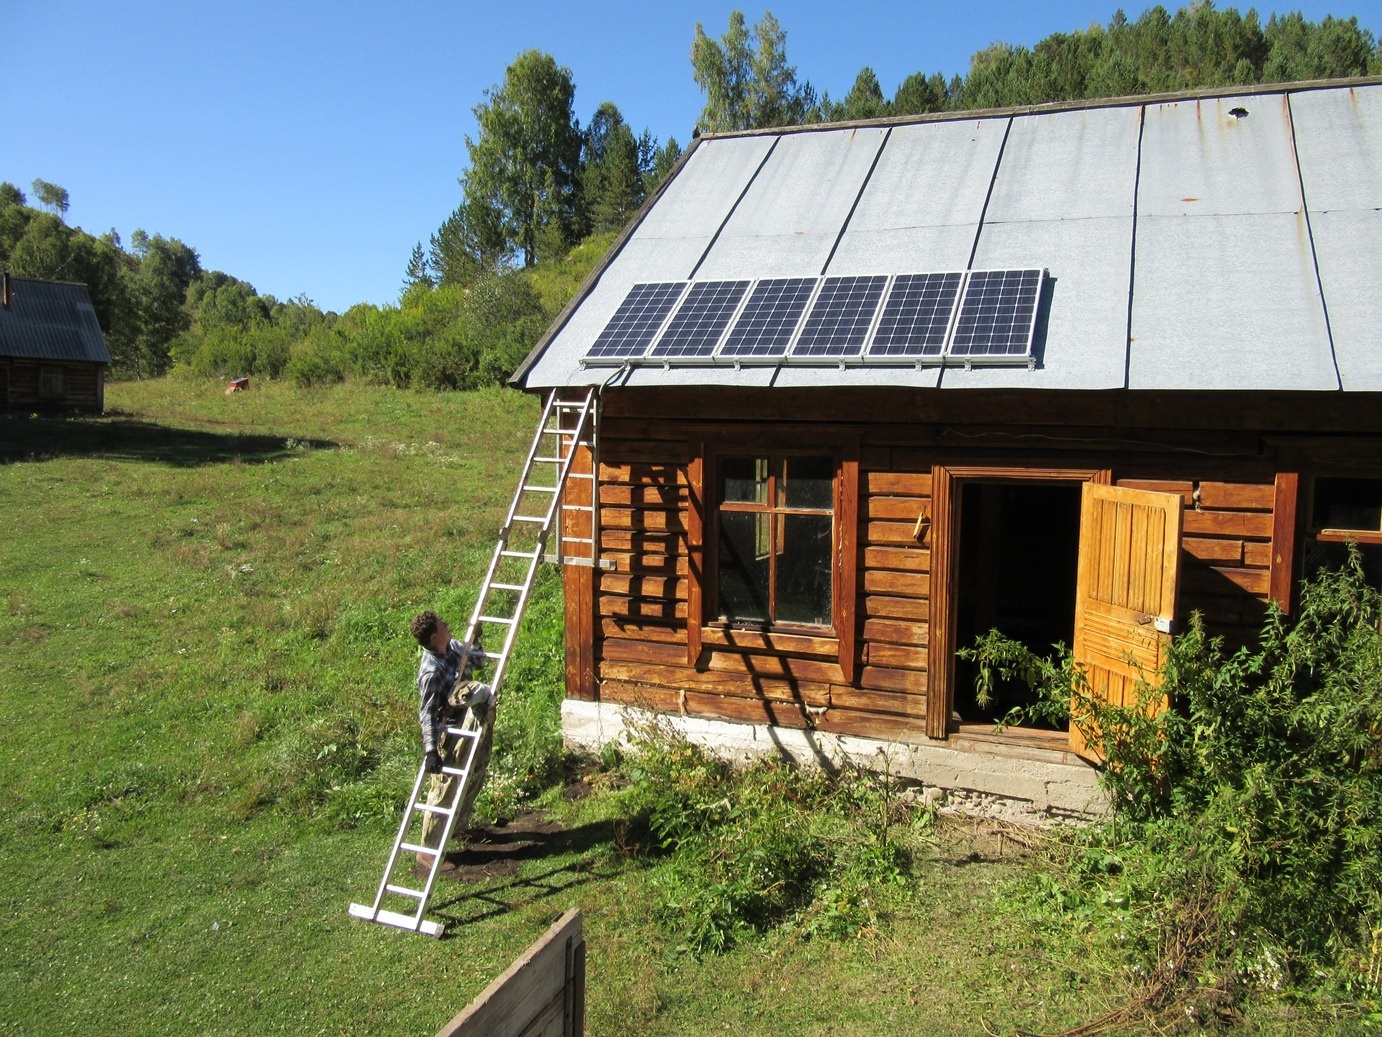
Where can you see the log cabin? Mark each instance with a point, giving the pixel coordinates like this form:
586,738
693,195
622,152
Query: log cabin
867,391
52,353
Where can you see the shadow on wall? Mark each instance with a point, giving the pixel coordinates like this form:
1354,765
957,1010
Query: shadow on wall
41,438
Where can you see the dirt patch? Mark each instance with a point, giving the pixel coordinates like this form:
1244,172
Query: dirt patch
494,851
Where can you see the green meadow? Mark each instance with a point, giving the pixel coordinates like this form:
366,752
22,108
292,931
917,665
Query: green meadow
208,726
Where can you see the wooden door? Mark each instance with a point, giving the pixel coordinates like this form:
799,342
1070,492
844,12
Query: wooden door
1125,595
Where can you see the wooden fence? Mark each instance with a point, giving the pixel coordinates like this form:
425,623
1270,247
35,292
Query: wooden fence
542,994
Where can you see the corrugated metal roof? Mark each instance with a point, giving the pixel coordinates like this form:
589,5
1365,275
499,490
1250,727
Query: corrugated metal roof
1207,241
51,320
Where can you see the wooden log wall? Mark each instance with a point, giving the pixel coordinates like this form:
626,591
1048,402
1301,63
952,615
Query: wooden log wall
85,384
632,625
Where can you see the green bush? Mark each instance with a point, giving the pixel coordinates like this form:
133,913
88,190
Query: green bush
1245,850
754,848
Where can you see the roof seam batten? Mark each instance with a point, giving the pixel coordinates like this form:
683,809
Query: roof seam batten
1314,253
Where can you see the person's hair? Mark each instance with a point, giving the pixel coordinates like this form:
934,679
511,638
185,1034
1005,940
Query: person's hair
424,627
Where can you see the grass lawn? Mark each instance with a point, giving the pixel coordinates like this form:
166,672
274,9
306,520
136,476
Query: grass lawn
208,723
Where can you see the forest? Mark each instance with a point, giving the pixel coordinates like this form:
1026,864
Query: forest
544,195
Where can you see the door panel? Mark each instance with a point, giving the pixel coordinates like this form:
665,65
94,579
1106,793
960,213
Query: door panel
1125,595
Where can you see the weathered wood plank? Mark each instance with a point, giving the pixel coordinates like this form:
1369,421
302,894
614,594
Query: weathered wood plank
643,519
879,678
870,725
897,608
1257,555
812,693
696,703
641,608
642,473
901,509
646,564
897,584
869,701
769,641
896,631
1237,496
635,631
671,588
904,484
891,656
781,667
890,532
627,495
642,541
1212,578
646,653
1213,550
1229,523
915,559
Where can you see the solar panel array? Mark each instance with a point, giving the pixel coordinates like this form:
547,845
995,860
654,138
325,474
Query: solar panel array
969,317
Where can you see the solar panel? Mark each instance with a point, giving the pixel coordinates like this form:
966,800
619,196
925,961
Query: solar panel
998,313
769,317
840,319
637,319
916,315
700,320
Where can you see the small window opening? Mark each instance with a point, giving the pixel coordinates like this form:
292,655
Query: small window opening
1238,113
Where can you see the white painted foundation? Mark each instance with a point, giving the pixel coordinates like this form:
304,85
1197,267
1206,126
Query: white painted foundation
1026,790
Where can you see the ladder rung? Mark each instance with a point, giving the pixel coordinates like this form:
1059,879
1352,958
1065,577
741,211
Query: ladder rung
551,460
399,921
539,519
416,848
431,808
518,554
539,489
506,586
405,891
497,619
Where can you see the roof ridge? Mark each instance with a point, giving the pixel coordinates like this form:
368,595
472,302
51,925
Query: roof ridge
1083,104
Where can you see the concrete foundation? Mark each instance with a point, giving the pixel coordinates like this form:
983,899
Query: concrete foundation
1029,788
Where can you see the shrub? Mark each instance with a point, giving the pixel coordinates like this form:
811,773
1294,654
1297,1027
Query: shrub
1245,842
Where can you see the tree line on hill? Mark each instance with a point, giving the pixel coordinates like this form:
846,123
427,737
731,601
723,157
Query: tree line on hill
542,197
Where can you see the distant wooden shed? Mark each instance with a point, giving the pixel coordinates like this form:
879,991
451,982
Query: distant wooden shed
867,391
52,353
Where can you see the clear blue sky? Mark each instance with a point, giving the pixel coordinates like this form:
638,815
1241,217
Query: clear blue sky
306,146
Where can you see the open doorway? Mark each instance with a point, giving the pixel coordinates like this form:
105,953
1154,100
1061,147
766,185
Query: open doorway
1016,565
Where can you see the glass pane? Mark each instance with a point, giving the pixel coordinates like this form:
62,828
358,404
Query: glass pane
743,567
803,570
1348,504
808,482
744,479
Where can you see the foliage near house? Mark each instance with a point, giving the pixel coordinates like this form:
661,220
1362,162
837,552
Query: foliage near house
1244,852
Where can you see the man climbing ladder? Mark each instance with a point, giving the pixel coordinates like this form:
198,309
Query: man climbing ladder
449,697
456,753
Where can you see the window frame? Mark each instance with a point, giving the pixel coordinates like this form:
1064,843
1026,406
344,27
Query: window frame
50,375
838,639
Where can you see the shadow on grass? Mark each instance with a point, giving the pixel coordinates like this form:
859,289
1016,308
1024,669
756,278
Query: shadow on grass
495,900
47,438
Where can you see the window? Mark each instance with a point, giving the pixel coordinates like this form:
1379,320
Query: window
1345,511
775,544
52,383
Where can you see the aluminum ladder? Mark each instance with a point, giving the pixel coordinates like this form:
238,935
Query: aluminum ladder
542,504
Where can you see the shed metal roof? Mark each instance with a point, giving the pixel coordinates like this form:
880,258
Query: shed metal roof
1203,241
50,320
